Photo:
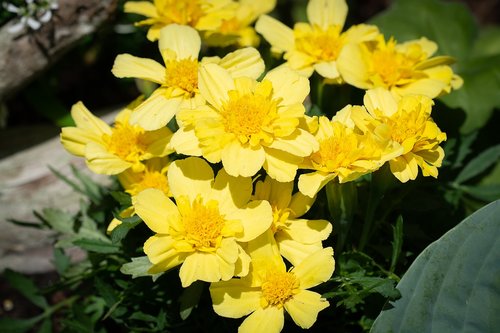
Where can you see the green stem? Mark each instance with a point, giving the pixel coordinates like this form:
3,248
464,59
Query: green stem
373,201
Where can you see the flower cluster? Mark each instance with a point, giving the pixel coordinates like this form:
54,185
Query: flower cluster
229,207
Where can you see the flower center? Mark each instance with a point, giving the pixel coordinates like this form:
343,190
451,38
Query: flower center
405,125
249,116
202,223
322,45
150,179
126,142
183,12
335,151
391,67
278,288
229,26
183,74
280,218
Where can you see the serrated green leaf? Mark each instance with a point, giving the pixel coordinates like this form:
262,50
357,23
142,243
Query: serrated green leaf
138,267
96,245
454,284
26,287
479,164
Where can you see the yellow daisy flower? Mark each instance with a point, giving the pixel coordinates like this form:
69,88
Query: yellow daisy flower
315,46
345,153
269,290
199,14
180,47
205,228
407,123
296,238
112,150
248,124
237,29
404,69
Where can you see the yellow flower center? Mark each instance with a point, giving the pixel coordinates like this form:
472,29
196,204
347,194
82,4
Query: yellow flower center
280,218
406,124
183,12
126,142
278,288
322,45
151,179
336,151
249,116
183,74
391,67
202,223
230,26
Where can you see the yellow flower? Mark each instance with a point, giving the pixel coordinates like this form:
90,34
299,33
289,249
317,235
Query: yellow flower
112,150
269,290
179,47
404,69
344,153
315,46
296,238
199,14
204,229
407,123
237,29
248,124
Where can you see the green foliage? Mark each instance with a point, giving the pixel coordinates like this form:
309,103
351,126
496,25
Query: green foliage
453,285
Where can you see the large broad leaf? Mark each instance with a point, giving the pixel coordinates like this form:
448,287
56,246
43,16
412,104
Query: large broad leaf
454,284
453,28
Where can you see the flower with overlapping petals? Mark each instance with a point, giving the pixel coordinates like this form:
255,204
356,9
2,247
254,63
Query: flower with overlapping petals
315,46
248,124
112,150
404,69
407,124
270,289
296,238
178,79
203,231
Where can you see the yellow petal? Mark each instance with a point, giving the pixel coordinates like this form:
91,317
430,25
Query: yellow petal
100,161
156,210
256,218
299,143
277,193
244,62
327,69
291,87
308,231
352,67
361,33
293,251
242,160
190,177
327,12
234,298
269,320
276,33
186,142
231,192
75,140
300,204
380,99
127,65
199,266
156,111
157,143
214,83
281,165
427,87
311,183
161,252
86,121
304,307
144,8
404,167
265,255
183,40
315,269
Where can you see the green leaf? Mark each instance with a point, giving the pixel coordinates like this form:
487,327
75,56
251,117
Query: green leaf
138,267
120,231
454,284
61,260
479,164
190,298
96,245
122,198
488,42
397,242
46,326
11,325
58,220
26,287
486,193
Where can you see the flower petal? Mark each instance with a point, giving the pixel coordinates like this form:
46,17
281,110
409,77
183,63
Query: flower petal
305,306
300,204
327,69
85,120
200,266
156,111
244,62
291,87
256,218
382,100
315,269
232,192
183,40
156,210
190,177
100,161
145,8
185,142
293,251
242,160
161,253
309,231
234,298
352,66
269,320
281,165
214,82
299,143
127,65
327,12
276,33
